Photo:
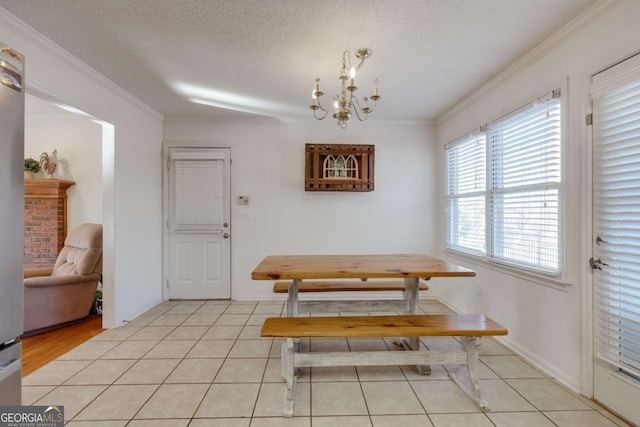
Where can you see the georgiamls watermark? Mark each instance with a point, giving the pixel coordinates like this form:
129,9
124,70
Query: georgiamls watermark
31,416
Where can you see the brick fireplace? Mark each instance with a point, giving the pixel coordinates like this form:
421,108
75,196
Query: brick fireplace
45,220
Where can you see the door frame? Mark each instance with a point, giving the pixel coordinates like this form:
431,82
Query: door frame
110,135
166,262
586,274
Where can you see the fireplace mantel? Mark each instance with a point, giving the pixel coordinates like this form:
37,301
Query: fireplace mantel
46,188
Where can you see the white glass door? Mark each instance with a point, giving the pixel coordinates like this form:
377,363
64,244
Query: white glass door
616,232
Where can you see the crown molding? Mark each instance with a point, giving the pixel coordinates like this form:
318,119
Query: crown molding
23,30
533,55
287,120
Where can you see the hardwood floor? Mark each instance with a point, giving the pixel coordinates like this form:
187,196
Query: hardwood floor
38,350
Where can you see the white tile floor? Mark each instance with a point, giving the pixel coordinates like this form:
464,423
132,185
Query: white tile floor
196,363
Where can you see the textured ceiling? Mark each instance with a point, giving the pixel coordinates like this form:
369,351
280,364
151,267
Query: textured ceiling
238,57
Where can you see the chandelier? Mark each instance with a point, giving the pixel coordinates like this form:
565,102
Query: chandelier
346,102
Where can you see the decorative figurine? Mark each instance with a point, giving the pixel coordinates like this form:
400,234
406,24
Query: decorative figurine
48,163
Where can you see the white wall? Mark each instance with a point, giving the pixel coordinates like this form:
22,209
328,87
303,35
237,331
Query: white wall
546,324
79,146
132,211
268,166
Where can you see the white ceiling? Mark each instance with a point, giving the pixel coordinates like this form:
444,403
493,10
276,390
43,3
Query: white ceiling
234,57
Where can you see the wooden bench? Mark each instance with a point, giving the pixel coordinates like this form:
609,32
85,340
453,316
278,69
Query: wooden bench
295,306
470,327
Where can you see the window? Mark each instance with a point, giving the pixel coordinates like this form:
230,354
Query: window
503,189
466,162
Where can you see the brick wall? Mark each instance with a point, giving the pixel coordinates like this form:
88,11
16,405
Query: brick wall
45,222
44,231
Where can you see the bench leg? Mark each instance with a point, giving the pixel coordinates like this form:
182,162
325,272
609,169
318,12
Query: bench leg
470,385
289,376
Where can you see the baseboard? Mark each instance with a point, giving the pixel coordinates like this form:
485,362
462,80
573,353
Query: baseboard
527,356
58,326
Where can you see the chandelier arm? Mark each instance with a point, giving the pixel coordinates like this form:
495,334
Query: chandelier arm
357,109
320,106
315,114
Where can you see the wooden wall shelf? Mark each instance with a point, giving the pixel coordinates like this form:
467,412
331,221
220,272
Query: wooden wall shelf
339,167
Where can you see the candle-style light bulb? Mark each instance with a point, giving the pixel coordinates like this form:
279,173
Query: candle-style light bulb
352,73
375,97
316,93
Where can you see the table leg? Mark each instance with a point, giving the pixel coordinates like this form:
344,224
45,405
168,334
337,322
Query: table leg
292,305
412,294
411,286
292,299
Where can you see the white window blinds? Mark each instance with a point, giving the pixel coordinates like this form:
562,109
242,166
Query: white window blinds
503,189
524,180
198,194
466,166
617,223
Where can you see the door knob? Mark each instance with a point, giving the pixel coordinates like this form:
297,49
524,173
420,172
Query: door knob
225,235
596,264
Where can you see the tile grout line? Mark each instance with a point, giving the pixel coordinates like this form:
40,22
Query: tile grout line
255,311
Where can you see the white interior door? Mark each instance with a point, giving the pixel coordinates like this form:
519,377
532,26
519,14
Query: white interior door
199,224
616,231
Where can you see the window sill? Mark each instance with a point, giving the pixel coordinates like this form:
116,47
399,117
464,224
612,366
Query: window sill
540,279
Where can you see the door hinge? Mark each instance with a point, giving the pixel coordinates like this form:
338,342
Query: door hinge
168,284
589,119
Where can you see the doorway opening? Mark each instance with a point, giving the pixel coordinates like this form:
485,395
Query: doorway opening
85,148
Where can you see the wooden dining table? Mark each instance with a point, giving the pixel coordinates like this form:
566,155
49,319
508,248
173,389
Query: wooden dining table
410,267
300,267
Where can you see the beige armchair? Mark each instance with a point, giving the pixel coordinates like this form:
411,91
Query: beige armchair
64,293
